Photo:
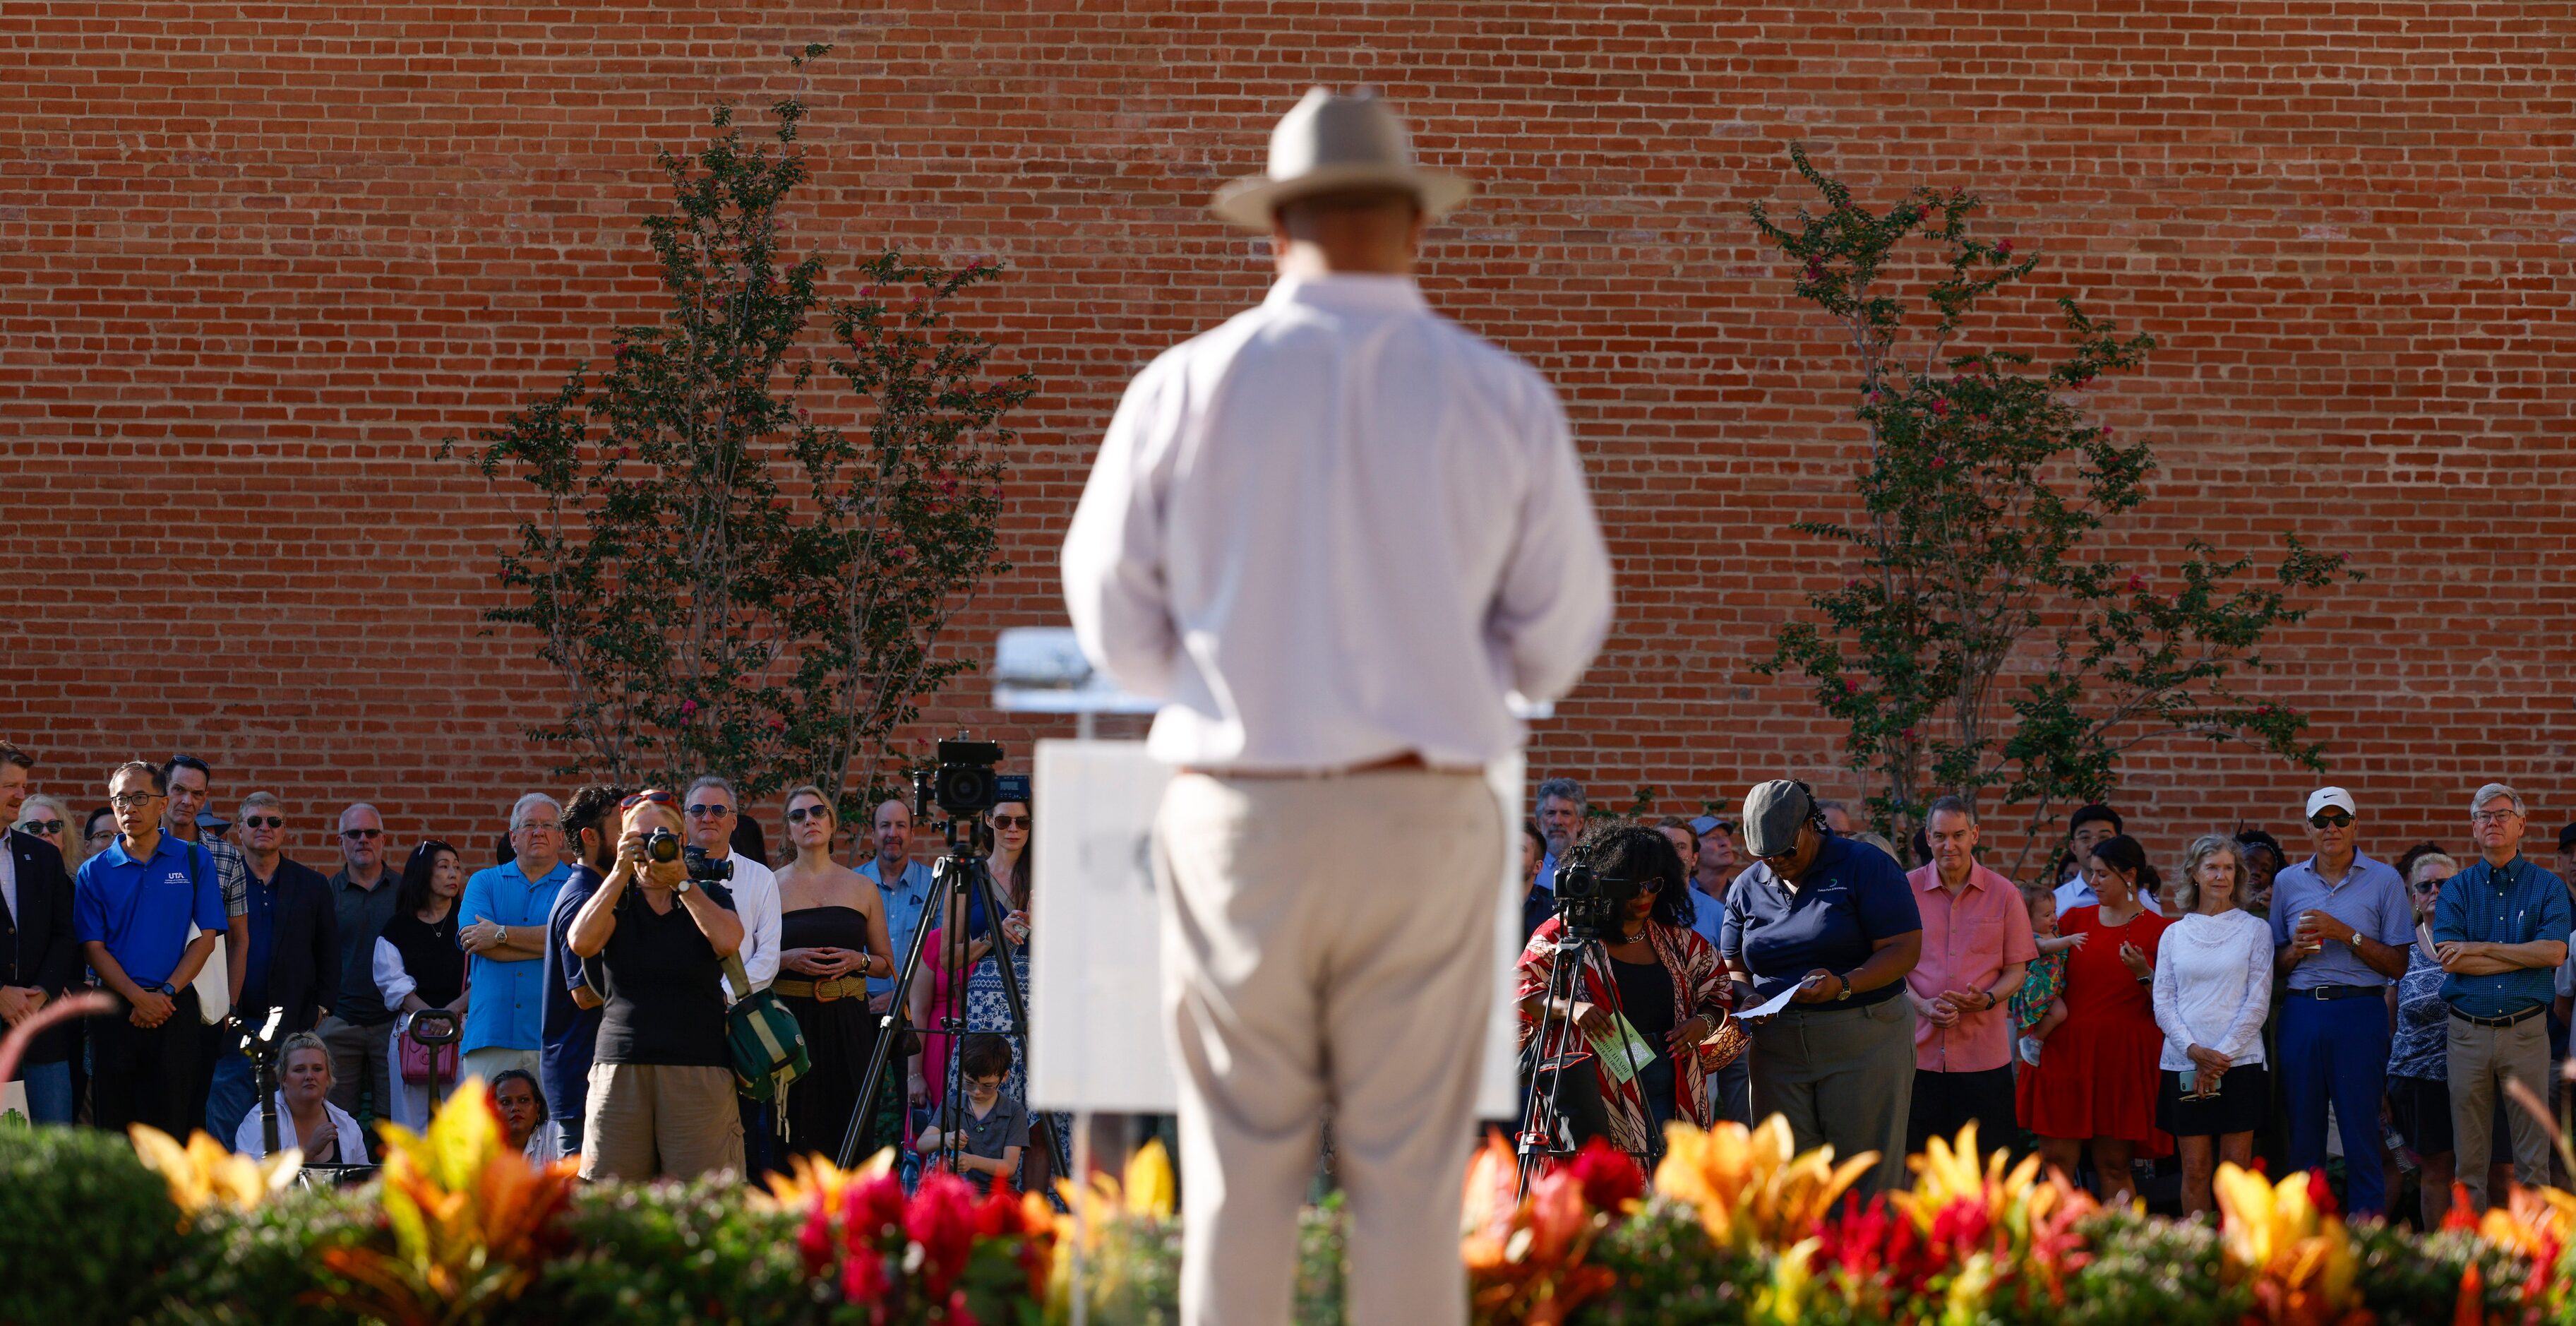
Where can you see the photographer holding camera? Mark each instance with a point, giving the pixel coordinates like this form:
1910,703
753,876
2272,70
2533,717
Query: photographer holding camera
652,941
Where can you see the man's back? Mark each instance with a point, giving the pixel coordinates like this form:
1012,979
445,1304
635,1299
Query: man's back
1337,529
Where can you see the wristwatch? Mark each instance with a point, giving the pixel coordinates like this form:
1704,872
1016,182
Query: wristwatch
1845,992
683,886
164,989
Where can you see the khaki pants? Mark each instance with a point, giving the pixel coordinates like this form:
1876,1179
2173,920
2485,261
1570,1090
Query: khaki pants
2482,1060
1844,1077
650,1121
1327,944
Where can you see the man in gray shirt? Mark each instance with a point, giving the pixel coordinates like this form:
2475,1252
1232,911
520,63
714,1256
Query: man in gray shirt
2341,923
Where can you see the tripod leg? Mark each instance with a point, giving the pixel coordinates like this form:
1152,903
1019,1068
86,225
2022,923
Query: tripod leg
891,1025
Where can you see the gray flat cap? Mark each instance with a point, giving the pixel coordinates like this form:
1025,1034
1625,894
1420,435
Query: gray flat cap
1772,813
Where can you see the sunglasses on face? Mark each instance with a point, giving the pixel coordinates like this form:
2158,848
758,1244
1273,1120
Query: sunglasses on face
264,821
709,812
2428,886
657,797
1010,821
2329,819
361,835
800,814
40,826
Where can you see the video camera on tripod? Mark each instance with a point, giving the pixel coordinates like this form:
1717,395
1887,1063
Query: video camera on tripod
1591,903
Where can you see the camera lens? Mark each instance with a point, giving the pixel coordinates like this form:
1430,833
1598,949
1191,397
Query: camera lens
965,788
662,845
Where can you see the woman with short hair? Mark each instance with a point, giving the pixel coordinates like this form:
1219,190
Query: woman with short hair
306,1118
2213,987
2419,1068
653,943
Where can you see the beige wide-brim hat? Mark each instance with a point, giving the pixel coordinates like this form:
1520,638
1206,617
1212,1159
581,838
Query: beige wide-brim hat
1329,143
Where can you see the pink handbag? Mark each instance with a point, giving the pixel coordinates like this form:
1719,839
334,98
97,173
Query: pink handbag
424,1064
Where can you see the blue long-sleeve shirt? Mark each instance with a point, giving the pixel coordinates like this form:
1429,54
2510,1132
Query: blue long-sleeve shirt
2516,903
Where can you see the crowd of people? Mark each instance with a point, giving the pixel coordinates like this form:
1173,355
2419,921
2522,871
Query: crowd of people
583,976
2135,1026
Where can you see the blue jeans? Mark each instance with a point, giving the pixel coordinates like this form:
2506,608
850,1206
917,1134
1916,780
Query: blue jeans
231,1096
49,1091
2337,1050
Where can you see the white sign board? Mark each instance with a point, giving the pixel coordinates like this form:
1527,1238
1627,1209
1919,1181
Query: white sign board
1095,972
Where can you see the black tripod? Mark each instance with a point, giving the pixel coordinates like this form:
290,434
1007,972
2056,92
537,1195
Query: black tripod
958,873
1561,1107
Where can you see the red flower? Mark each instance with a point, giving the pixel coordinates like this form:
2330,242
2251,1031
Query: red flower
814,1239
2137,583
998,1217
2320,1194
1608,1176
1815,270
688,708
872,1209
942,1221
2004,250
1938,463
1850,687
1940,407
863,1277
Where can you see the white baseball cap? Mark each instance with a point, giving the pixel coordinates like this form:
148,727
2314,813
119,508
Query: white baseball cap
2331,796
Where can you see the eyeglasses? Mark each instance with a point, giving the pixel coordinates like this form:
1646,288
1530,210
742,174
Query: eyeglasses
2494,816
360,835
264,821
40,826
656,796
132,800
709,812
1010,821
2330,818
800,814
107,835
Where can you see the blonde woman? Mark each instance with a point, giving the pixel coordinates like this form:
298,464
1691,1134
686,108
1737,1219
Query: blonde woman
50,821
831,938
2213,988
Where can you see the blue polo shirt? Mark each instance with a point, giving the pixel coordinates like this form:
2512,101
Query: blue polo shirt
141,909
571,1031
904,901
2516,904
508,1009
1853,896
2370,898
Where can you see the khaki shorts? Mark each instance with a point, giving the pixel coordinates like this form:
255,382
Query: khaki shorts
648,1121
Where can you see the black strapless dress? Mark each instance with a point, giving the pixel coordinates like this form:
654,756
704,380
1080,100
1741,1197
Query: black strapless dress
838,1037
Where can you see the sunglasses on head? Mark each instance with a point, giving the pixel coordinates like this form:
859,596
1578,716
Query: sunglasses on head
40,826
264,821
654,795
2330,818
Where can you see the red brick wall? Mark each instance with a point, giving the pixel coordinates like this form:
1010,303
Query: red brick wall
255,260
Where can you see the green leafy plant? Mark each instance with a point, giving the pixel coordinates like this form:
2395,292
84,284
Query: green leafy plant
677,1255
266,1266
723,576
1985,643
85,1229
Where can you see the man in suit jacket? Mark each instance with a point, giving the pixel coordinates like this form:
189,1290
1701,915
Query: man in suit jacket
293,958
39,955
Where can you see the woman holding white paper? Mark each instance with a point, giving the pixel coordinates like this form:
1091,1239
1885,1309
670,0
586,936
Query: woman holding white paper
1652,1001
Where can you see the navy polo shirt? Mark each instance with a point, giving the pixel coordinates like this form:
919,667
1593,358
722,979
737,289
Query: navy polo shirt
141,909
1535,909
2516,904
571,1032
1853,896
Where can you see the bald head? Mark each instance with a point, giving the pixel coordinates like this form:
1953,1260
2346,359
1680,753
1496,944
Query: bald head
893,829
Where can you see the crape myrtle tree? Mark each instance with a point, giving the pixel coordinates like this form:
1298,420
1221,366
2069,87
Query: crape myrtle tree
724,582
1985,642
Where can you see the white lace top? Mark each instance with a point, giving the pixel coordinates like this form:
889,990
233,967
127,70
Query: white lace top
2213,986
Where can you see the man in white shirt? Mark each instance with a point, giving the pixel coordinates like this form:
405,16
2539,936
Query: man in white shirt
1333,535
712,810
2089,827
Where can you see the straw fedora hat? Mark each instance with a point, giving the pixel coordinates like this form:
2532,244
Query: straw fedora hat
1328,143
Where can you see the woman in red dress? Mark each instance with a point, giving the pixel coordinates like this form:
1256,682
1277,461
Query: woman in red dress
2096,1077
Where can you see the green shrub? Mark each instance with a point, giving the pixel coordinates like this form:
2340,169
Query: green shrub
694,1254
1668,1274
264,1267
85,1230
2145,1271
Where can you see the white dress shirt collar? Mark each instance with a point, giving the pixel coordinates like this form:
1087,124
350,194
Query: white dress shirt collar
1370,291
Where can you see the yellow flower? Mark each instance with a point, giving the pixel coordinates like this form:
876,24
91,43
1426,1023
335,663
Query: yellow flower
1749,1185
809,1176
2532,1223
2302,1257
205,1173
1114,1223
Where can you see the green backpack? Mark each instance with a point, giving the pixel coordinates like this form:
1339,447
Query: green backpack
768,1047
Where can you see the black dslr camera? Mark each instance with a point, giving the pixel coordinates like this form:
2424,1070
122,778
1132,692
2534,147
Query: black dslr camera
705,869
1590,902
964,783
662,845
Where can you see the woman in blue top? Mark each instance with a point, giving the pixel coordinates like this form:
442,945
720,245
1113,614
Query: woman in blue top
1835,921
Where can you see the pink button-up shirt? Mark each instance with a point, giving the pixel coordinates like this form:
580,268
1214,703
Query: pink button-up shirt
1967,943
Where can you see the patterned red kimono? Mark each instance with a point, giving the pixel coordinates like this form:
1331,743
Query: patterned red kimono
1699,989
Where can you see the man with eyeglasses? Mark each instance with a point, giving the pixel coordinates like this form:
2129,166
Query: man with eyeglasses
712,813
131,908
191,784
358,1029
504,914
2500,927
294,955
2341,922
39,953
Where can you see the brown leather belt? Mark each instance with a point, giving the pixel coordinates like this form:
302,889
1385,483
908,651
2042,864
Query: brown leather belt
1408,760
839,987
